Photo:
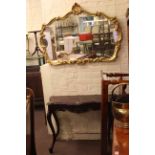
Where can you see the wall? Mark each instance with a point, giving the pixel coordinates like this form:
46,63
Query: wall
33,15
55,76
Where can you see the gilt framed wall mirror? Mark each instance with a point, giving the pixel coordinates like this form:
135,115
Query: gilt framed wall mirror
81,36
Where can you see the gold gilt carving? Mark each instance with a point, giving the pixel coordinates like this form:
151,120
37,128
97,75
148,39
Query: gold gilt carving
76,10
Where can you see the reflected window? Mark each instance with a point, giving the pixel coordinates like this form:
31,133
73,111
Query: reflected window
86,23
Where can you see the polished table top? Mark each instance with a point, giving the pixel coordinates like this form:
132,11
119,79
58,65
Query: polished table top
81,103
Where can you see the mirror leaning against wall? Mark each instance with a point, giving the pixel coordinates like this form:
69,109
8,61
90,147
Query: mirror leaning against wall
81,37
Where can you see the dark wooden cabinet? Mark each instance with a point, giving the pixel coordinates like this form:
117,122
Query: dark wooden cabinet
33,81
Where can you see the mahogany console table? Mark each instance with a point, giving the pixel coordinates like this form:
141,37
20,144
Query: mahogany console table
77,104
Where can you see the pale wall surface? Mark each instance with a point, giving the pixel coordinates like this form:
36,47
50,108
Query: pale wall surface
79,79
33,15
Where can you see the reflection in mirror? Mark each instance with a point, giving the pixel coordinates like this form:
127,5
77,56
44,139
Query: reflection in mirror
83,36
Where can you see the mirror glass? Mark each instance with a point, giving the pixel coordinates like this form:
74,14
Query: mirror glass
78,36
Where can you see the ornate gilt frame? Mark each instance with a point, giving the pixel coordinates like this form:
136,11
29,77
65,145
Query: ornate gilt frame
76,10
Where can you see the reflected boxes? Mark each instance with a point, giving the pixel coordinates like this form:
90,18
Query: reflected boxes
85,36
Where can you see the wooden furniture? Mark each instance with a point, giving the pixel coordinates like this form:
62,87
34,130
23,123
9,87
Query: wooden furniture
33,81
30,133
77,104
108,79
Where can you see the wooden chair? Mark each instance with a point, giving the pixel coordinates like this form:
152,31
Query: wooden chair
108,79
30,132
